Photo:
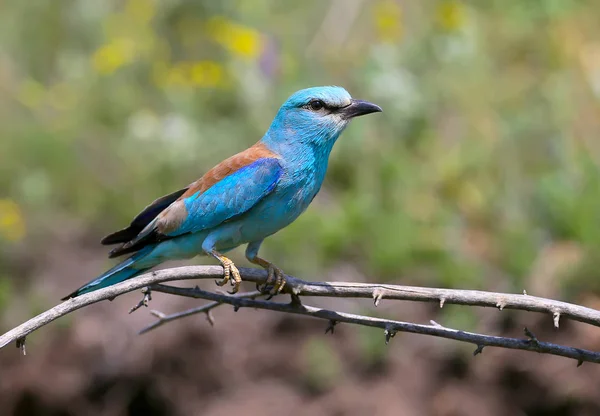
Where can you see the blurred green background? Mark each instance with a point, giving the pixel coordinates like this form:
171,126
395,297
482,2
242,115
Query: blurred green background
481,173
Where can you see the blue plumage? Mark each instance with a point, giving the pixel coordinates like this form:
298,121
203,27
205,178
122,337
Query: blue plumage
117,274
230,197
245,198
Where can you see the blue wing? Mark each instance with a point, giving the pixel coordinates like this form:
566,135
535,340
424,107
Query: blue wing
231,196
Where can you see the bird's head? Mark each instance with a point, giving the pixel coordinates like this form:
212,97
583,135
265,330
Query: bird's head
317,116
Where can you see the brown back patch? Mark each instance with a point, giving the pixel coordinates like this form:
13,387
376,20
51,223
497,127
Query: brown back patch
229,166
172,217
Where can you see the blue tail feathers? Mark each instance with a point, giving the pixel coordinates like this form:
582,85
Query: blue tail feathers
117,274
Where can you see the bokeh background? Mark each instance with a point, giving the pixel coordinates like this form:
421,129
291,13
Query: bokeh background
482,173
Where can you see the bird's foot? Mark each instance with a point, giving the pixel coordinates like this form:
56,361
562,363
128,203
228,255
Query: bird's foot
275,281
231,274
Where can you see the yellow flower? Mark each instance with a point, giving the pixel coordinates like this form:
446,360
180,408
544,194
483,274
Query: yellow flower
114,55
451,14
388,20
238,39
246,43
204,74
12,223
207,74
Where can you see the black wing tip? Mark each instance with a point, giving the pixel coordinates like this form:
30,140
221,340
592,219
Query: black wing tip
116,252
121,236
142,219
135,245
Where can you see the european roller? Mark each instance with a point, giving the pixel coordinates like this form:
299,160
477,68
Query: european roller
243,199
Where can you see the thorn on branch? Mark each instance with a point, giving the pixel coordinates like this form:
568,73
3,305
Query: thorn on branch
556,318
442,301
500,304
389,334
295,300
377,296
21,345
532,338
236,308
210,318
524,292
434,323
145,300
478,350
579,362
158,314
331,327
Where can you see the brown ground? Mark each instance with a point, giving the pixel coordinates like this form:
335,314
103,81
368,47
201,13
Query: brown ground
256,362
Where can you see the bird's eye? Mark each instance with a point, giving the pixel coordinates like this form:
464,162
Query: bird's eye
316,105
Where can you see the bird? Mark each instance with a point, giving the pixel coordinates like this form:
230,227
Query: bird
243,199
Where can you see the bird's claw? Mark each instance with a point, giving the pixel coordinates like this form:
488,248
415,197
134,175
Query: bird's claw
231,274
275,282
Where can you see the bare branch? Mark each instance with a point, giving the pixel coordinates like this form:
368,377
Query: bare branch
377,292
391,327
163,319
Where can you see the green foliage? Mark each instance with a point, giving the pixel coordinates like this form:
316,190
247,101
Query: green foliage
485,155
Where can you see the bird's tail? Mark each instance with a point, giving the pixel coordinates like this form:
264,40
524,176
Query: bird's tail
122,271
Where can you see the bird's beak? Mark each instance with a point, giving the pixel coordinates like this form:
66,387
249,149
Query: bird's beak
359,108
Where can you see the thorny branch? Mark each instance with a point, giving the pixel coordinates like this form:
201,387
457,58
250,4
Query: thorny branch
299,288
163,319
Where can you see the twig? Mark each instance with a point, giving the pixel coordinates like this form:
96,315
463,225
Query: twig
298,287
145,300
331,327
163,318
532,338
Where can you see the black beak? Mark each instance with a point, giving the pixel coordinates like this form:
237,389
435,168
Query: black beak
359,108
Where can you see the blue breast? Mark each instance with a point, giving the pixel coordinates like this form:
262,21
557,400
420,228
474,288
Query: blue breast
295,190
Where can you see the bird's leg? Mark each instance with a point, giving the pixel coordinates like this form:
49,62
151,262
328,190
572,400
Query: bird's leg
231,273
275,277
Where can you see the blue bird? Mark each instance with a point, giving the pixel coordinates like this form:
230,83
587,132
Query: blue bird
243,199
